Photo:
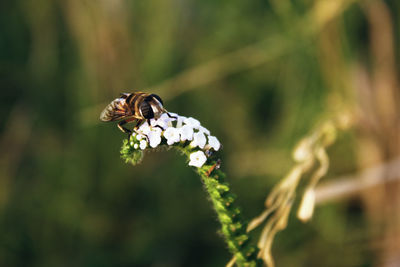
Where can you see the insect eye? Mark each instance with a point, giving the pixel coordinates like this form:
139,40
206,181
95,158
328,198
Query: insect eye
146,110
158,98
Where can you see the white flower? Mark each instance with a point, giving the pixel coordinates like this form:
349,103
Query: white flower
204,130
214,143
144,128
174,128
192,122
143,144
154,137
197,159
172,135
199,139
186,133
180,121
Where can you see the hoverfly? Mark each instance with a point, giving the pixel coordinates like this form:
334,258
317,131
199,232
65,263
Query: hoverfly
131,107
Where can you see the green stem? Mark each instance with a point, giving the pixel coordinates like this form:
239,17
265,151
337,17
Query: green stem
232,226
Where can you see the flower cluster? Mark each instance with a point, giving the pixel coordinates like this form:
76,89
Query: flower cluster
171,129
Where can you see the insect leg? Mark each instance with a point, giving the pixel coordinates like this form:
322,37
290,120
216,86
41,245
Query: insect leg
138,123
216,166
122,128
158,126
172,117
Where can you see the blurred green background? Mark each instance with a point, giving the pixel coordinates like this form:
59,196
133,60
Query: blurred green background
259,74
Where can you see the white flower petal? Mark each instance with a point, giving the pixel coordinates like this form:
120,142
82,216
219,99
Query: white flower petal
204,130
192,122
197,159
156,130
135,146
186,133
180,121
172,135
144,128
143,144
214,143
199,139
154,137
153,122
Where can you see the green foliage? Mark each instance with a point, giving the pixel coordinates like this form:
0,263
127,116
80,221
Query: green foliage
129,154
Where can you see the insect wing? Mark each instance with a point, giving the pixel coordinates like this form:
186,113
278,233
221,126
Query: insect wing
124,95
116,110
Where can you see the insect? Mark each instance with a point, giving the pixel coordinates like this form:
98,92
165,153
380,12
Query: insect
131,107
